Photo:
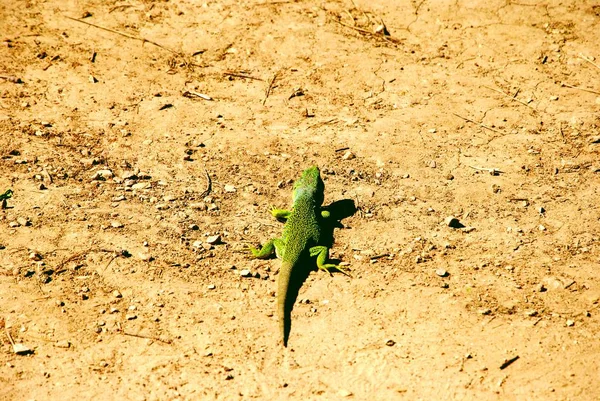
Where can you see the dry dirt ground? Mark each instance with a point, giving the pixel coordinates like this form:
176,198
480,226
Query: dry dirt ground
115,115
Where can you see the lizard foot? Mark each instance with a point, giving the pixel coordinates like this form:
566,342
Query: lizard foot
329,267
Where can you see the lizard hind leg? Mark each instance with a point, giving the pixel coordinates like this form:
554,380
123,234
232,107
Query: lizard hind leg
275,245
322,253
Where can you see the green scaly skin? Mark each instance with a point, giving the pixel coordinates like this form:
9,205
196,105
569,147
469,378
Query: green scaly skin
301,236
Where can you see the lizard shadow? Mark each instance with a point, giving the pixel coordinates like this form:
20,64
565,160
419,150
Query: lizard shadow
338,210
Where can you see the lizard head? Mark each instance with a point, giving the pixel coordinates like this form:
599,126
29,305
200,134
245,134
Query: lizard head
310,184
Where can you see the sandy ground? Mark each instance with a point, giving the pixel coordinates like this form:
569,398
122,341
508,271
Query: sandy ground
115,116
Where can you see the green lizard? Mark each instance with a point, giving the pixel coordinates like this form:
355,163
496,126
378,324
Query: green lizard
3,197
301,239
6,195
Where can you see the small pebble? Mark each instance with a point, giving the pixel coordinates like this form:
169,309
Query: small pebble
194,227
211,286
453,222
432,164
162,206
390,343
229,188
245,273
130,175
102,175
213,239
117,294
485,311
344,393
35,256
21,349
197,244
116,224
570,323
63,344
23,221
449,177
141,185
130,316
441,272
199,206
348,155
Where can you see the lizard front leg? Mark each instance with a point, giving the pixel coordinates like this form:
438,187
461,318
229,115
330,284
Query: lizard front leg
281,214
322,254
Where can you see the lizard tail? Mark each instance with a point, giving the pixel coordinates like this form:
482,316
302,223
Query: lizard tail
284,309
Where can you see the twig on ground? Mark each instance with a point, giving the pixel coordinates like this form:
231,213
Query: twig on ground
144,40
355,28
581,89
475,122
513,98
492,171
109,262
331,120
236,74
380,33
509,362
383,255
162,340
208,185
270,87
124,6
192,95
78,255
589,60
